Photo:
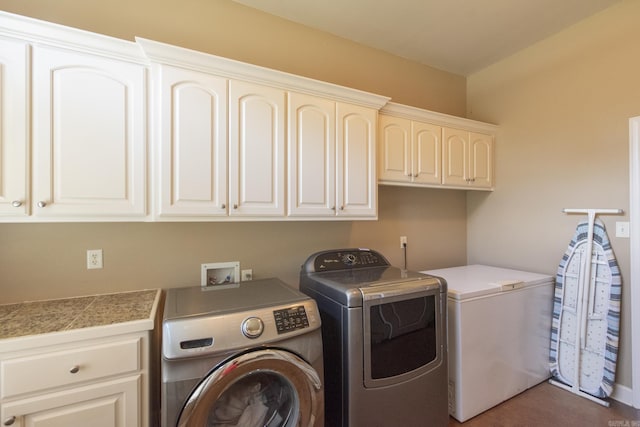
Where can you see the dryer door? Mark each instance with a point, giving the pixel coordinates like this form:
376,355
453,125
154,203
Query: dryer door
266,387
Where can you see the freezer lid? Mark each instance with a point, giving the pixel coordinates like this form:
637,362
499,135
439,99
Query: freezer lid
471,281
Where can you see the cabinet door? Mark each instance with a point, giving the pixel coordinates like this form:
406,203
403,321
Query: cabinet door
394,156
193,142
89,135
14,128
256,150
355,161
481,162
311,150
455,156
426,151
106,404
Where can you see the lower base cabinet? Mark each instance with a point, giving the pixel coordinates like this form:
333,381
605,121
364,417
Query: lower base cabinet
100,382
104,404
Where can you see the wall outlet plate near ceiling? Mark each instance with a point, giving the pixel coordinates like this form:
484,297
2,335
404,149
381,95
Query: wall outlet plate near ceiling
220,274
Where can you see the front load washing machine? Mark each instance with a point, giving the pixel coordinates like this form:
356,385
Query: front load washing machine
248,355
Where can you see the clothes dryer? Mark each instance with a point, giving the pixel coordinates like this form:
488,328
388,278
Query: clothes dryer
384,334
247,355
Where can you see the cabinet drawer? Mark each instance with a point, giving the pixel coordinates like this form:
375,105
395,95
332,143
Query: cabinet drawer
60,368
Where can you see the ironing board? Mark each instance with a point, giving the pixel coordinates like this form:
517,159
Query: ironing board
586,314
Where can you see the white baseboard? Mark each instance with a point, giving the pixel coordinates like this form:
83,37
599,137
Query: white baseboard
622,394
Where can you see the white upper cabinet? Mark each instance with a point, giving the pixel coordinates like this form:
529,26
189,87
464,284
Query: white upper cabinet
297,148
357,187
427,148
14,128
331,158
89,135
423,148
77,108
312,156
191,111
72,124
467,159
256,150
409,151
481,160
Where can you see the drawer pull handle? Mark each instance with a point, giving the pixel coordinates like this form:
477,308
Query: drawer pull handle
74,369
9,421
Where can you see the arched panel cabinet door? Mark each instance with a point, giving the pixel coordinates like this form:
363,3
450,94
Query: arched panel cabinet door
192,116
89,135
256,150
262,387
356,183
14,133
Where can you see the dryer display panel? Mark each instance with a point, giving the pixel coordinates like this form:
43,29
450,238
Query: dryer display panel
290,319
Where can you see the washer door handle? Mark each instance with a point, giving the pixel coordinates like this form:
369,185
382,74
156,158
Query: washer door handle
252,327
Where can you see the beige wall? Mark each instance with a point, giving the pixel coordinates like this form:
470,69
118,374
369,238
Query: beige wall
563,107
228,29
48,260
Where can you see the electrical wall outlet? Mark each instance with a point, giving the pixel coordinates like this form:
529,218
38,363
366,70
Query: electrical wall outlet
246,274
94,258
622,229
403,242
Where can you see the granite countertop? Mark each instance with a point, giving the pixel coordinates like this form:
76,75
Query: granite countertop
59,315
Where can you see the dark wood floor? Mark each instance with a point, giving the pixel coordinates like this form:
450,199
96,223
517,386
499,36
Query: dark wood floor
547,405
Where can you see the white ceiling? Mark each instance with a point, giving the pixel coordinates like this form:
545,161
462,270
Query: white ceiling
459,36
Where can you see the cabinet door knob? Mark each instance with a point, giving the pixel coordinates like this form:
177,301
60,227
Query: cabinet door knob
341,208
235,206
9,421
333,208
415,175
74,369
42,204
16,203
223,206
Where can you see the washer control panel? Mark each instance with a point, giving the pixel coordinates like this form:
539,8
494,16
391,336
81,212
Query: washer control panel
290,319
201,335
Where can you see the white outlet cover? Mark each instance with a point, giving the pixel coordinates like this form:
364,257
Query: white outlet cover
94,259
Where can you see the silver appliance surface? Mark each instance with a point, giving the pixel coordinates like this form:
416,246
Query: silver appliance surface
260,334
343,275
384,333
209,301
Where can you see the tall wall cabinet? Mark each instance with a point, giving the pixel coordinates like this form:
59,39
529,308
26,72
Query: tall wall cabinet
81,153
422,148
240,142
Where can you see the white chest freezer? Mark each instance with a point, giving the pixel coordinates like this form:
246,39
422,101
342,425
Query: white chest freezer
499,328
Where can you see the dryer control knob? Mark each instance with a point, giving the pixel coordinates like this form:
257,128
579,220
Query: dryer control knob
252,327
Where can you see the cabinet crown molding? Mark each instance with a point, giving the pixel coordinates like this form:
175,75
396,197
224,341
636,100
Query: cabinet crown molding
186,58
441,119
42,32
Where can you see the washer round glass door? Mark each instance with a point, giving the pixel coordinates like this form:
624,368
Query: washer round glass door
272,388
